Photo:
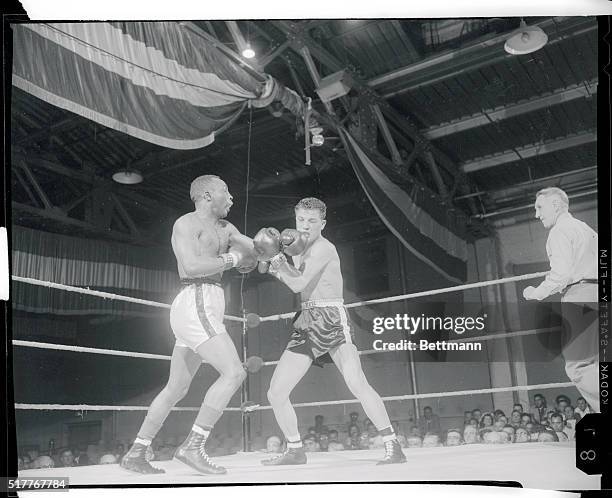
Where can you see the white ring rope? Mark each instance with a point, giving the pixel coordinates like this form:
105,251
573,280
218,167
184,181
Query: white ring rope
101,408
35,406
80,349
105,295
432,292
151,356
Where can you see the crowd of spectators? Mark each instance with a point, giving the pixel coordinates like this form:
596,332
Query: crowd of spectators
538,423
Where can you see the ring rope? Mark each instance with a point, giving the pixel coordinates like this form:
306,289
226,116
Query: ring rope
100,408
105,295
432,292
35,406
152,356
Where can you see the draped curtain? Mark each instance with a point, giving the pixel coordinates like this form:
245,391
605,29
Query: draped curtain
157,81
433,233
107,266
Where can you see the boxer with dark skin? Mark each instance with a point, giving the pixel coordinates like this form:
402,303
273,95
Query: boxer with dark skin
205,245
321,329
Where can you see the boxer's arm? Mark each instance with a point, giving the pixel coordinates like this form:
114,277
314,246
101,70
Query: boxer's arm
317,260
186,250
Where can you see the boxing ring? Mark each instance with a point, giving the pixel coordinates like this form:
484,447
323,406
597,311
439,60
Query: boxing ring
534,465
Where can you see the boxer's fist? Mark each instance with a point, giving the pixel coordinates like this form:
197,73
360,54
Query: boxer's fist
243,252
293,241
267,243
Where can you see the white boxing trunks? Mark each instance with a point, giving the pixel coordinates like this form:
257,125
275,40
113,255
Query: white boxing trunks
197,312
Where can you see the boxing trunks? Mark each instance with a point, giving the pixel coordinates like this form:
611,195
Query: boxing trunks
318,328
197,311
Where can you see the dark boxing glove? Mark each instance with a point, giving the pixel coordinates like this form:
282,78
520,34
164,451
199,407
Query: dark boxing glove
293,241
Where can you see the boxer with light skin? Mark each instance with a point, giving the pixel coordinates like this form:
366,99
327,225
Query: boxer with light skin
321,329
205,245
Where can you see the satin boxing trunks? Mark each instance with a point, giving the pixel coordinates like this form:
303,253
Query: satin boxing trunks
318,328
197,311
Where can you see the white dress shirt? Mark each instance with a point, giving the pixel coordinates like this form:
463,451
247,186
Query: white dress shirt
572,250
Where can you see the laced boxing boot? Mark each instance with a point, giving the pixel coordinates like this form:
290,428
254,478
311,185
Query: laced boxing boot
193,453
291,456
393,453
136,461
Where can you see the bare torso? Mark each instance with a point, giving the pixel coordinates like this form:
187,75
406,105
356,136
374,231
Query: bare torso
327,284
207,239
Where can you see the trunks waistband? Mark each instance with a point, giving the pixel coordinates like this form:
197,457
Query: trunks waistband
185,282
322,303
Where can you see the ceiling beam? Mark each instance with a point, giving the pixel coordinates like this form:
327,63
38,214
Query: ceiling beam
447,61
527,151
486,59
486,117
530,183
57,216
94,180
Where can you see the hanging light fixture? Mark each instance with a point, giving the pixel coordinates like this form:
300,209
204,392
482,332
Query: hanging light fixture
525,40
248,52
127,177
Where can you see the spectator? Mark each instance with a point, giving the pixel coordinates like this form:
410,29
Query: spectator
66,458
474,423
27,462
503,418
312,431
108,459
499,425
558,425
453,437
470,434
517,407
477,413
334,444
353,441
548,436
414,441
119,451
562,401
354,418
431,440
498,413
310,444
486,421
44,462
495,437
273,444
570,422
323,442
467,416
508,429
522,435
33,454
375,440
320,428
582,408
429,422
538,411
80,456
515,419
525,419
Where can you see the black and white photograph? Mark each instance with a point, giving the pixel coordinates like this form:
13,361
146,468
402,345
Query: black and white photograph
311,250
